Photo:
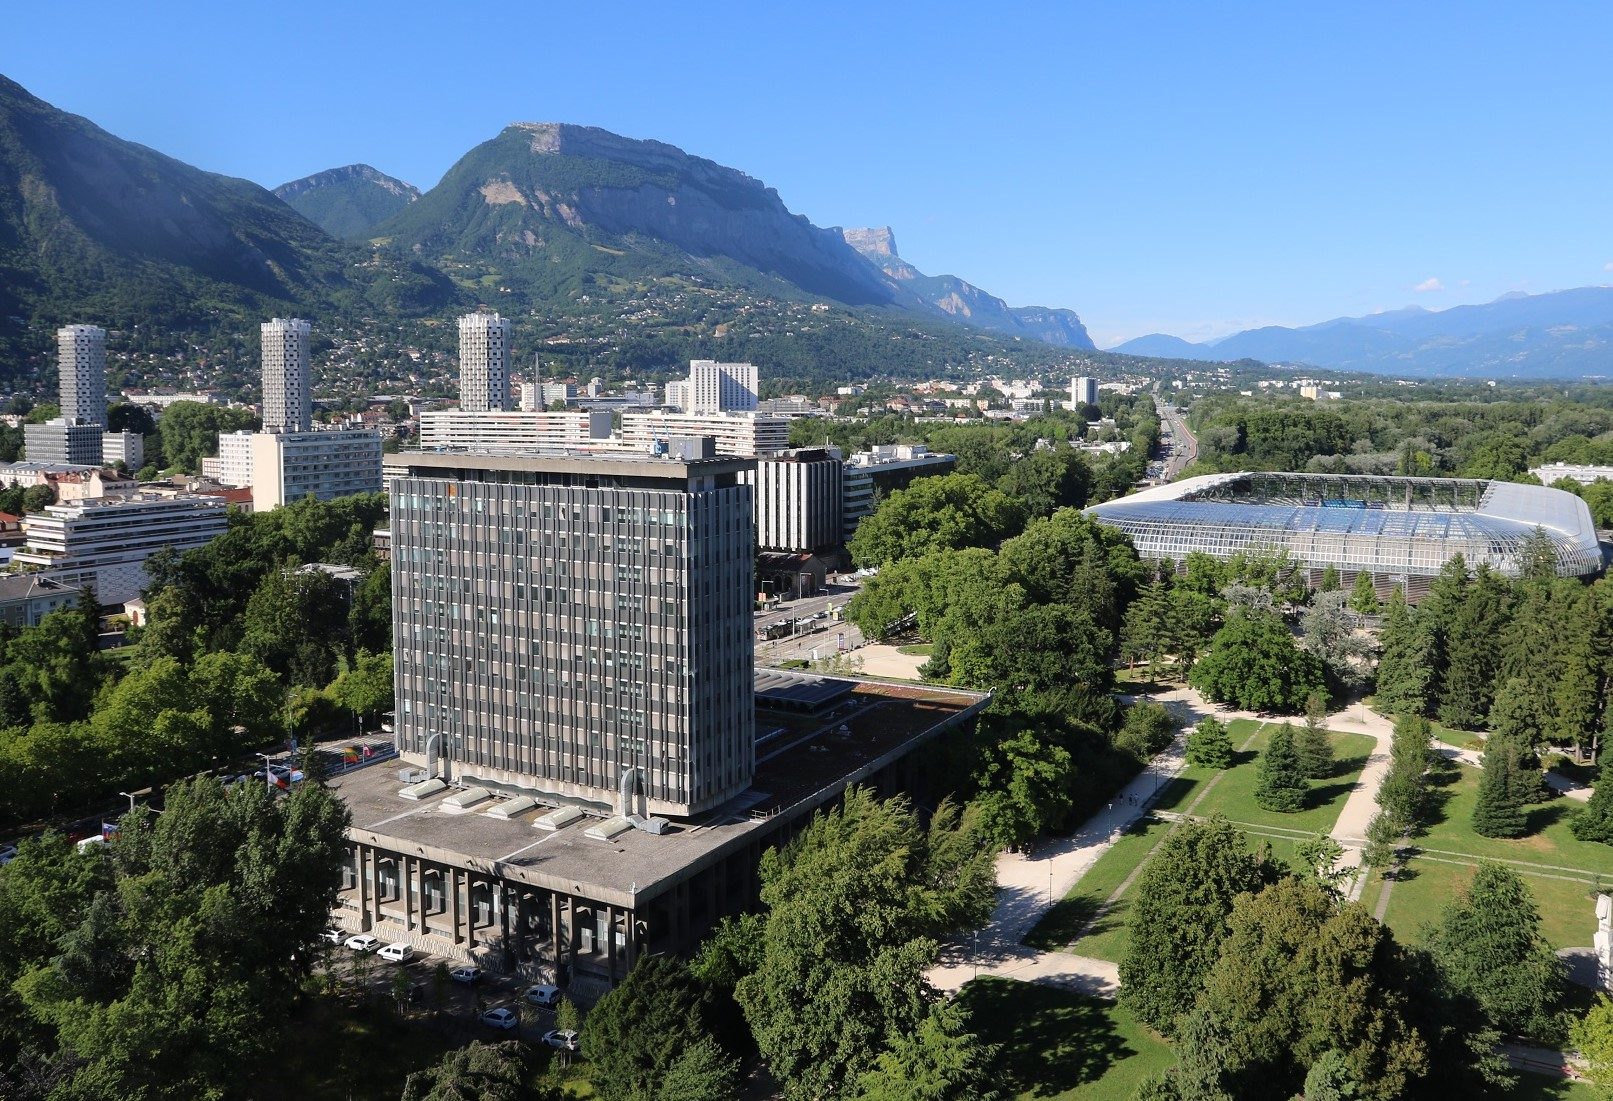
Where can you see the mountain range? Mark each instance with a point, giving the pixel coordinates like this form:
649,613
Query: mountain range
606,251
1562,334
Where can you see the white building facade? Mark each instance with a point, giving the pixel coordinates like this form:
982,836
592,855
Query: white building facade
81,362
105,542
484,362
233,466
735,433
720,387
288,466
797,497
455,428
287,398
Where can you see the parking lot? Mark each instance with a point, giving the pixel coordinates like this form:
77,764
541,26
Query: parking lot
422,992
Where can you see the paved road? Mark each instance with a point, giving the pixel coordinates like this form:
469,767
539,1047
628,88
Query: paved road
1185,447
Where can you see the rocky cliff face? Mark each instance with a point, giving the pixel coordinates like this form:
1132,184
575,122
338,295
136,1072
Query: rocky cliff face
348,201
543,200
963,301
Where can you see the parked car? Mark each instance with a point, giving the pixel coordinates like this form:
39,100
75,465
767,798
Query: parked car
8,853
544,995
363,942
465,974
500,1018
334,936
397,953
563,1039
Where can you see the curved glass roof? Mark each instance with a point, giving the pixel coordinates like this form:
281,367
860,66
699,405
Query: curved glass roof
1409,526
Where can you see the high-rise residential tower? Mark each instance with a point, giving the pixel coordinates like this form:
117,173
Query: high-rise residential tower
287,400
720,387
484,375
1083,391
81,361
576,626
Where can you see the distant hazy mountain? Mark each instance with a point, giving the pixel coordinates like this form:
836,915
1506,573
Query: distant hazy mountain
1564,334
95,228
550,207
1163,344
964,301
348,201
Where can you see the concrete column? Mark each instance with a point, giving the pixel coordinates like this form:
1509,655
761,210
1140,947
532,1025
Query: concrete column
361,859
406,873
451,885
501,902
610,941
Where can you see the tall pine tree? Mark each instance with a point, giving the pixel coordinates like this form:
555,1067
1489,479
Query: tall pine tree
1363,597
1473,653
1281,779
1499,810
1315,751
1405,668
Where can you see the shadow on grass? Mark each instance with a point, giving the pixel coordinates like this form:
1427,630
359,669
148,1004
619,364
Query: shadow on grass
1064,922
1052,1040
1174,793
1542,815
1326,793
1443,776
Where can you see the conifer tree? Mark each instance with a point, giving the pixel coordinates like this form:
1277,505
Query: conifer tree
1595,822
1315,751
1363,597
1499,810
1405,668
1473,653
1281,784
1209,745
1144,630
1330,580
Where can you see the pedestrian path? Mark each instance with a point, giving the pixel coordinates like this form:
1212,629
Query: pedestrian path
1028,884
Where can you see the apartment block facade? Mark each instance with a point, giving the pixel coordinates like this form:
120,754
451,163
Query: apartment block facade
454,428
81,362
63,441
799,505
742,434
288,466
484,362
287,398
718,387
576,626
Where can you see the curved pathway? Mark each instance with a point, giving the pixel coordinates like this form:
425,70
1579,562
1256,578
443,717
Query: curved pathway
1028,884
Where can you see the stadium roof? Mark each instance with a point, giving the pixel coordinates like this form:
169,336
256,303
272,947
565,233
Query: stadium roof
1388,525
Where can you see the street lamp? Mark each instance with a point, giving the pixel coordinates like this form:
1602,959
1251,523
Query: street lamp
1050,881
130,798
268,777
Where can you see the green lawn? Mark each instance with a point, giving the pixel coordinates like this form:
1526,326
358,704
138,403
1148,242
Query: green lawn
1549,842
1465,739
1539,1087
1567,910
917,649
1233,796
1060,1046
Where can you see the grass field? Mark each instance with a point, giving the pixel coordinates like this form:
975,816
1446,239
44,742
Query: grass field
1550,842
1206,792
1426,886
917,649
1061,1046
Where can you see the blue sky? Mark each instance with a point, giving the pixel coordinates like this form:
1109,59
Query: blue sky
1184,168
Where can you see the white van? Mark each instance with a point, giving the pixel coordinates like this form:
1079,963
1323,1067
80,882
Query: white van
397,953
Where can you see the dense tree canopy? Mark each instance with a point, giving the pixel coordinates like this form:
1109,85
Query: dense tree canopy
941,513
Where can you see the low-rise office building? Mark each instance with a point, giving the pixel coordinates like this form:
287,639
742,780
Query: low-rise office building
27,598
566,430
798,497
105,542
744,434
128,448
63,441
881,470
288,466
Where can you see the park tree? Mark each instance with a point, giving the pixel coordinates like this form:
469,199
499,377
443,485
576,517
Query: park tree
950,511
1147,729
1209,745
938,1061
641,1029
853,906
1592,1037
1330,579
366,687
1315,751
1499,809
1025,786
1488,946
1472,652
1405,678
1254,664
1281,782
1363,597
179,978
1595,821
1145,634
1328,632
189,430
1191,618
1297,976
1179,914
703,1071
476,1072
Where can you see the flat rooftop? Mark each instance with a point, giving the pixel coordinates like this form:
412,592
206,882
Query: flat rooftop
560,461
806,764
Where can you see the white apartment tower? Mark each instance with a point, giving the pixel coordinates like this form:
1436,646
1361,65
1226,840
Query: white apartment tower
1083,391
720,387
484,373
287,402
81,361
